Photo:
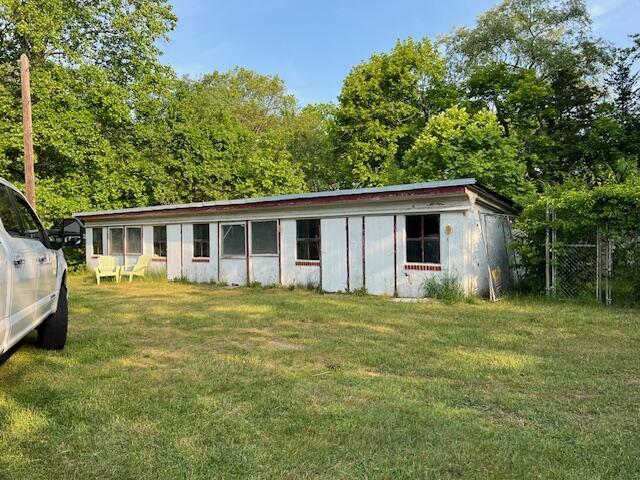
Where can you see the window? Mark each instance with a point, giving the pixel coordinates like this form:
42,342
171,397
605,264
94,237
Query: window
134,241
8,213
31,227
308,239
233,240
116,241
264,238
98,248
160,241
201,240
423,238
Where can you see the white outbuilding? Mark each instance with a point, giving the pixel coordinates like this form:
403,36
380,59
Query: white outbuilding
385,240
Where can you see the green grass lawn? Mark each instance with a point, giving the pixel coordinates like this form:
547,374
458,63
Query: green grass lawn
164,380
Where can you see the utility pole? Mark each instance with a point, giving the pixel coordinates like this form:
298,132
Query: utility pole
27,131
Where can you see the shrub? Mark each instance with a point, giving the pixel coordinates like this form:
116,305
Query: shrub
446,288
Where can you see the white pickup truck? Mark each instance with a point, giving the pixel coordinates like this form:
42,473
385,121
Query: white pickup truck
33,276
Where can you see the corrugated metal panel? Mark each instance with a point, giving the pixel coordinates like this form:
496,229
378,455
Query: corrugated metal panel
147,240
355,253
199,270
379,268
233,271
334,254
264,270
293,274
174,254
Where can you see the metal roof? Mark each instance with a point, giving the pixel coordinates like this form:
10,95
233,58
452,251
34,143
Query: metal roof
463,182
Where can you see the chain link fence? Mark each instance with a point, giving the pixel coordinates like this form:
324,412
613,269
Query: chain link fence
592,265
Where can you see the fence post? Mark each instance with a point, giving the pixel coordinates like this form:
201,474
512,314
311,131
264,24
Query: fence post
547,255
554,239
598,266
609,270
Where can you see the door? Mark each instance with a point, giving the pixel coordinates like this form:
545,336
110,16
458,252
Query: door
334,255
23,268
47,263
233,253
4,286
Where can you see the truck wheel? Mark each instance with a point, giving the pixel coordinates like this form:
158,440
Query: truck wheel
52,333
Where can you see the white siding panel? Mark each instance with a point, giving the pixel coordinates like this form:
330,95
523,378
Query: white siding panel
453,255
293,274
333,246
200,271
91,262
288,251
174,258
264,269
233,271
379,269
355,253
147,240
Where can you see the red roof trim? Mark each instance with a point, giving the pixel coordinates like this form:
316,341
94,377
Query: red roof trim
298,202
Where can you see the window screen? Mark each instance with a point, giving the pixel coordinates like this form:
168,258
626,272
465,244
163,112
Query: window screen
233,240
264,238
308,239
423,238
116,244
201,240
160,241
8,213
134,241
98,247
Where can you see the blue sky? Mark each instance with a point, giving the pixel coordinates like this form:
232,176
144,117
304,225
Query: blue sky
313,45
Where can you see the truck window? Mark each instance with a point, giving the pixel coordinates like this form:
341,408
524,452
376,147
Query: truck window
8,213
31,227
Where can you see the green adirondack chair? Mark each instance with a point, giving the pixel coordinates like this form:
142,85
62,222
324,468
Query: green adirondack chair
139,269
107,267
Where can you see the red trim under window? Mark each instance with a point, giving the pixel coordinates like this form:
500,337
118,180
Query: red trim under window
200,260
308,263
418,266
159,259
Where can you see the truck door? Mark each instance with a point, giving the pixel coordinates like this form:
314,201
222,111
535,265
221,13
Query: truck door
23,266
4,288
47,264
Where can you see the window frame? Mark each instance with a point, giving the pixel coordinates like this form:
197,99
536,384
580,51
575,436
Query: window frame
93,240
200,241
126,240
422,239
154,241
309,240
10,197
274,254
16,199
232,224
110,243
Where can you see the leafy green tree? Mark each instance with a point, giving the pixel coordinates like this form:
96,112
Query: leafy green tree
119,36
258,102
384,104
92,64
199,150
457,144
536,64
311,146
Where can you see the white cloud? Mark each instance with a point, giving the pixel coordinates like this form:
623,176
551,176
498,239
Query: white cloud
600,8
